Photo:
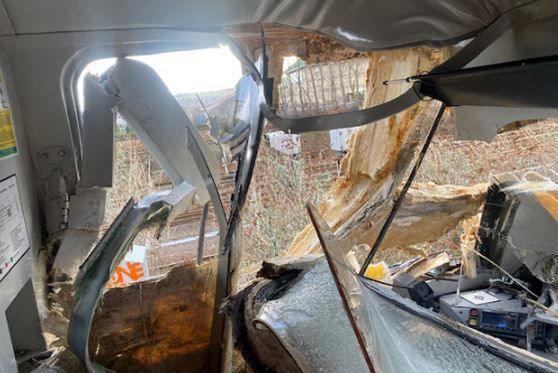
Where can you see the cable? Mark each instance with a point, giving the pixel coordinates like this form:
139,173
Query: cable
506,273
401,197
387,284
440,278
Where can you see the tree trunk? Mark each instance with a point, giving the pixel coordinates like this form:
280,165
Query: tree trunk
378,159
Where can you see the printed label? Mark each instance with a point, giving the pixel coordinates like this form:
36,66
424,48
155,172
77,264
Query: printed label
13,232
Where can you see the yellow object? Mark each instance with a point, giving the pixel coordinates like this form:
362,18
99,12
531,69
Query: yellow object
7,136
378,271
473,322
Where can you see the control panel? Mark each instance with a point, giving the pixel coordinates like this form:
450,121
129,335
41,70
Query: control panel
494,312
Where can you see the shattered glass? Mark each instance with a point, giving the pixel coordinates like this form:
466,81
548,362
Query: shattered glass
403,342
311,323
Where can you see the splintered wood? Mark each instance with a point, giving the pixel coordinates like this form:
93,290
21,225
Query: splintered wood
157,325
424,265
467,245
377,161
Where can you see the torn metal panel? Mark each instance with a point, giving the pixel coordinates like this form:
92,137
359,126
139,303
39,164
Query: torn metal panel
486,85
97,269
76,245
534,39
234,131
158,120
485,122
343,120
520,228
97,135
87,209
230,256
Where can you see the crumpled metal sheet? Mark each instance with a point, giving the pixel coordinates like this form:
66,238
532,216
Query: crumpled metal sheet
149,108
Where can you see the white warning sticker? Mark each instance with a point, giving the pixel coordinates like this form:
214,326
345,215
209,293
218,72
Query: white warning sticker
13,232
479,297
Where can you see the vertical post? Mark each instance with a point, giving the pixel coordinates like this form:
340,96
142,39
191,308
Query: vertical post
332,82
324,100
291,94
342,83
348,65
308,87
201,237
313,81
299,86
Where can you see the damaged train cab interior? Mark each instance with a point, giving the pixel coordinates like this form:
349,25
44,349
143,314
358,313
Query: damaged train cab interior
279,186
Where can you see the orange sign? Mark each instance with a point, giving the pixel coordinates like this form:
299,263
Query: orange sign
126,273
132,268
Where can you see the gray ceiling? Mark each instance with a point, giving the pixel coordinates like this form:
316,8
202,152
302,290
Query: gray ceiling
362,24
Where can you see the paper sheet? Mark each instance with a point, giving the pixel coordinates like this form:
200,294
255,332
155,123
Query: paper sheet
13,231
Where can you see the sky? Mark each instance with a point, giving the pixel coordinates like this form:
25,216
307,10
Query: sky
200,70
288,61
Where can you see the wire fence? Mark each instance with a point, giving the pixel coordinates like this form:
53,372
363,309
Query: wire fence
323,88
529,148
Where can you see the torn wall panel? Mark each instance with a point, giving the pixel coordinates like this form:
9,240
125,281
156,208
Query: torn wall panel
362,24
